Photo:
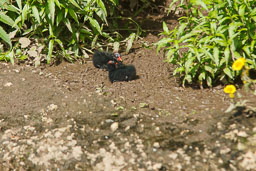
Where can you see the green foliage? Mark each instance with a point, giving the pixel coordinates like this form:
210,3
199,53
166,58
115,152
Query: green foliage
73,27
209,38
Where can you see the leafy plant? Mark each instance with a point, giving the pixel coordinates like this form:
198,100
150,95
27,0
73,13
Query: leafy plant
209,38
72,27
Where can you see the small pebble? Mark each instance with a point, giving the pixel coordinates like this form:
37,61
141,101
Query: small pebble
9,84
157,166
114,126
156,145
109,121
52,107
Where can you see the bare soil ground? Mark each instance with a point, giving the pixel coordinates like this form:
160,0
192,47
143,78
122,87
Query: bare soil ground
70,117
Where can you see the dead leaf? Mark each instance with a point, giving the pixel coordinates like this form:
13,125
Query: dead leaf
25,42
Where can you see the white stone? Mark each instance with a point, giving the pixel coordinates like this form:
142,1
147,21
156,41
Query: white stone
114,126
9,84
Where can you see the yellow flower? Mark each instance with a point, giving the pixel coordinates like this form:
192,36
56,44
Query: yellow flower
238,64
231,95
230,89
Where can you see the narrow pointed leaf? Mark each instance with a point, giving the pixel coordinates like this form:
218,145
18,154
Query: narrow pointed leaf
130,42
24,13
11,57
58,3
50,49
74,3
242,10
188,63
209,81
68,24
165,28
5,36
102,6
36,14
19,4
51,6
181,29
227,55
6,19
94,23
228,72
216,55
73,14
209,69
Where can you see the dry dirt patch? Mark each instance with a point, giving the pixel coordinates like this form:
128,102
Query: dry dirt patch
72,118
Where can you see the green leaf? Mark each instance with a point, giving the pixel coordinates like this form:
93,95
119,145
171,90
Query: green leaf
242,10
201,3
50,49
213,27
73,14
24,13
209,81
94,41
74,3
229,3
94,23
227,55
58,3
220,41
19,4
36,13
178,70
6,19
23,57
216,55
59,17
222,61
206,52
201,76
63,49
68,24
228,72
130,42
231,29
5,36
187,78
209,69
162,43
224,19
102,6
13,9
84,31
247,50
11,57
252,44
51,6
236,54
165,28
189,63
181,30
169,54
115,2
253,12
17,20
